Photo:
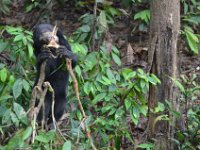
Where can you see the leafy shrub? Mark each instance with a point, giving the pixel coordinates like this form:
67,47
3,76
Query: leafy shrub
110,94
189,137
15,78
5,6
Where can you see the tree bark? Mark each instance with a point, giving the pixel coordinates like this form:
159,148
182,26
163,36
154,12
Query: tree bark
162,60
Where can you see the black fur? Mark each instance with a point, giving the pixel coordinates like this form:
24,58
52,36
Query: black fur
55,71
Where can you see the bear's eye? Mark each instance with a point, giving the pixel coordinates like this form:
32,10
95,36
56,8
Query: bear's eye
49,38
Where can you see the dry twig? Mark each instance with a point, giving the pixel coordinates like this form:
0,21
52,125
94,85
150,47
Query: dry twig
75,83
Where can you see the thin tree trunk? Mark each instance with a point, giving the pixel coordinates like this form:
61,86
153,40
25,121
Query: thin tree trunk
162,60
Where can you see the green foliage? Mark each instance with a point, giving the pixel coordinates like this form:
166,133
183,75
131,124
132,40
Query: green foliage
22,38
189,138
192,39
5,6
67,145
15,81
128,3
29,6
112,92
105,18
143,15
191,19
147,146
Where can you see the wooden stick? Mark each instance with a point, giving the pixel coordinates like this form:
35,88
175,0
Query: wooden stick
75,83
37,90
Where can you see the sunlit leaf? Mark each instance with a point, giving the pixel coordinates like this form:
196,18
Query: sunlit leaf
19,111
127,104
103,20
116,59
3,74
192,40
30,50
26,85
27,133
17,88
67,145
3,46
98,98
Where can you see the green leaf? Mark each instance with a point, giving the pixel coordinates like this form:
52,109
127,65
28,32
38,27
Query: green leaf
79,48
103,20
19,111
143,15
27,133
14,119
192,40
86,88
113,110
29,8
3,74
111,76
11,80
135,120
13,30
5,97
46,137
161,117
24,40
143,109
136,113
18,38
147,146
82,37
116,59
115,50
106,80
3,46
26,85
78,70
17,88
6,116
179,85
30,50
98,98
106,108
84,28
142,84
159,108
42,138
126,72
79,115
156,78
114,11
127,104
185,8
67,145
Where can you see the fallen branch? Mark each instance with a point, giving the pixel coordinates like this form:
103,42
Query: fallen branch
37,90
75,83
41,93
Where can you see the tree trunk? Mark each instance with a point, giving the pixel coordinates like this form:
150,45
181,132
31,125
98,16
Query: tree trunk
162,57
